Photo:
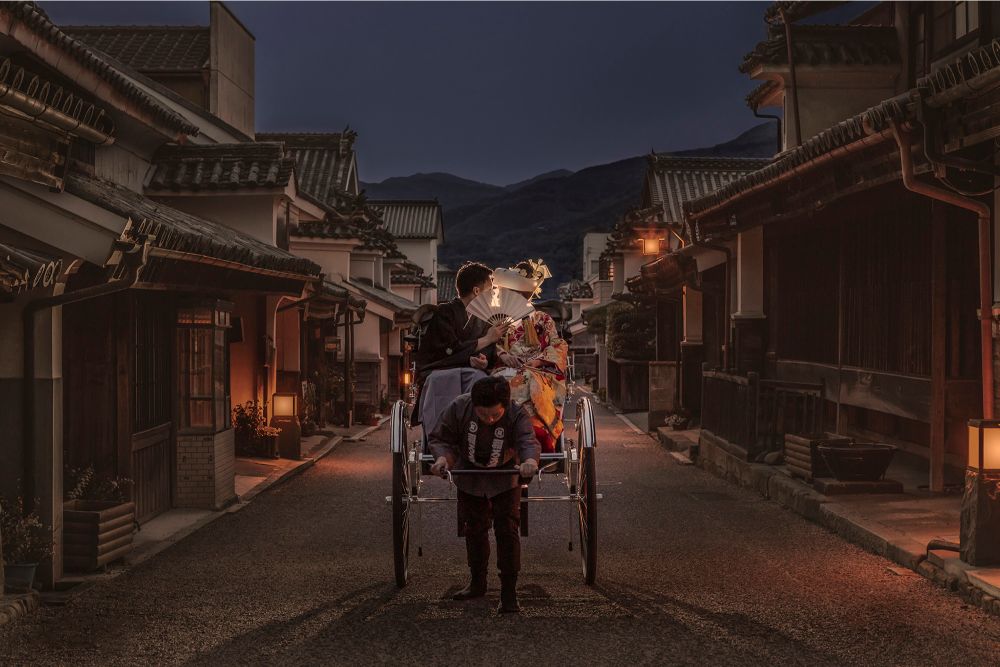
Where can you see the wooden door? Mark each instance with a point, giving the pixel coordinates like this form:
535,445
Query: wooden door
151,405
152,470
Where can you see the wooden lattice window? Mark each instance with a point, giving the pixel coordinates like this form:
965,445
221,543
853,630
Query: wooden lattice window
151,386
203,367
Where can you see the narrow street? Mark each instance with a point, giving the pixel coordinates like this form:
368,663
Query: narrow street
692,571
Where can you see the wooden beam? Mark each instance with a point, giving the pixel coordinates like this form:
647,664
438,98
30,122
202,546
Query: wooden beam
939,347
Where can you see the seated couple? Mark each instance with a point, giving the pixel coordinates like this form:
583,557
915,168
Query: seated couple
530,355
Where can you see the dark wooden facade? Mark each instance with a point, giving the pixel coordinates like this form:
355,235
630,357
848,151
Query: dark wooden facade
876,297
119,392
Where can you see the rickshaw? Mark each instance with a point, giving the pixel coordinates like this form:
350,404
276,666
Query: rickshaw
573,462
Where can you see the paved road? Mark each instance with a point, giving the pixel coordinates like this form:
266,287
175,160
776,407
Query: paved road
693,571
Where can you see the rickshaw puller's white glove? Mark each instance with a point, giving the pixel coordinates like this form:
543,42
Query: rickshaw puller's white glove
529,468
440,467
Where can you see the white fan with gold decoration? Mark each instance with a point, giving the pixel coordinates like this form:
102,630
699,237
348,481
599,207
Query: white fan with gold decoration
500,306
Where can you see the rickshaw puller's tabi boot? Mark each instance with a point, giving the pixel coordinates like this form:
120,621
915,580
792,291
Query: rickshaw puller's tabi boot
508,595
477,549
476,587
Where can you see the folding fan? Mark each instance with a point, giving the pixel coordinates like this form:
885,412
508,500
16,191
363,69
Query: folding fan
500,306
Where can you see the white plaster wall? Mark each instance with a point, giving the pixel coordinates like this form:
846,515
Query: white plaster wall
363,267
368,339
334,259
231,64
821,108
593,246
422,252
406,291
253,215
632,262
122,165
287,339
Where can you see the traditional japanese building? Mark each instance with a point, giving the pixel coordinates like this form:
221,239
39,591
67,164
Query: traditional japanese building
859,259
128,323
642,234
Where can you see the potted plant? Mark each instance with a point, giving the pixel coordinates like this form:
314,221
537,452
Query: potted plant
248,419
678,421
98,519
383,404
309,411
857,461
365,414
267,436
25,544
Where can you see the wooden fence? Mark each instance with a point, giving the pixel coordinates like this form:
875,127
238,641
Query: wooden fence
628,385
754,414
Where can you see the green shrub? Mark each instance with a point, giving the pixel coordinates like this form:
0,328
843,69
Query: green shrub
631,332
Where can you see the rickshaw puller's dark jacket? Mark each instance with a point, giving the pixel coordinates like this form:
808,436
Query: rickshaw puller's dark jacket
468,443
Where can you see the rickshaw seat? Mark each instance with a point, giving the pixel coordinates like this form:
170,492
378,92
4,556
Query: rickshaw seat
440,389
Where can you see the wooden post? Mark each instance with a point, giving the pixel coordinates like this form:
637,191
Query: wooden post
939,350
348,367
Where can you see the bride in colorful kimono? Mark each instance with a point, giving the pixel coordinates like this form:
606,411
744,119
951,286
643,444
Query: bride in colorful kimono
533,357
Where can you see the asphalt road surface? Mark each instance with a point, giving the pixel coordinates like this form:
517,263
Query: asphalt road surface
692,571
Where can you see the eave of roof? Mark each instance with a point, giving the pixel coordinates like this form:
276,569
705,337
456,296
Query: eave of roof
179,231
403,308
221,167
827,45
38,22
944,85
323,162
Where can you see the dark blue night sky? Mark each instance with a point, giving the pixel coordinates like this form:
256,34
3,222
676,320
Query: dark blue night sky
496,92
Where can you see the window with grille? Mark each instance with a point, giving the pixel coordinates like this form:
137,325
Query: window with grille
203,367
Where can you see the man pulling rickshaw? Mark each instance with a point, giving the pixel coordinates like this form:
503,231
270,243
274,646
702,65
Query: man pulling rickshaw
492,373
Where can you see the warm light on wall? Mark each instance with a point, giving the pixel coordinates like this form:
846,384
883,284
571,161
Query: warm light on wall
406,378
283,405
984,444
651,247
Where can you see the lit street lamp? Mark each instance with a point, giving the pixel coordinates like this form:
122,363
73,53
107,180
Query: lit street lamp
980,526
285,416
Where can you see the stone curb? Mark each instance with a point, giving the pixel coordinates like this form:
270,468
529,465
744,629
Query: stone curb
325,448
773,484
15,607
368,431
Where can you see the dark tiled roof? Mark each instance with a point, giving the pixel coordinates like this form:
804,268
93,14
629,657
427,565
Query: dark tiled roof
410,219
575,289
799,9
945,84
672,181
38,22
322,162
394,302
411,274
757,96
446,285
828,45
841,134
149,49
326,229
177,230
221,167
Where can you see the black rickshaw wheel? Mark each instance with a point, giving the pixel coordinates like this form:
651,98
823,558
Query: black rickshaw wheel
588,514
400,518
